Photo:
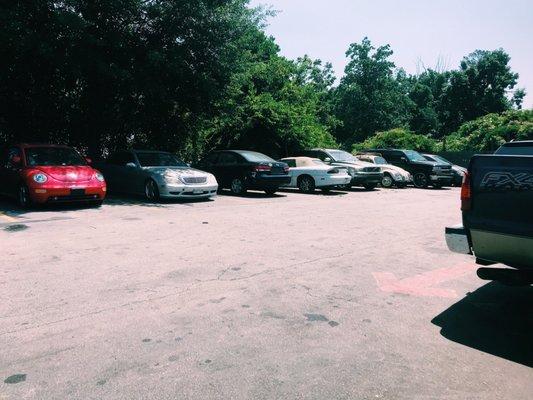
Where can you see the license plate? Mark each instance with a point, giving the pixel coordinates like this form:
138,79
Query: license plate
198,191
77,192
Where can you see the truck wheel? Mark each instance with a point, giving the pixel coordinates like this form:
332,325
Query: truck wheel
420,180
370,186
237,187
306,184
23,196
387,181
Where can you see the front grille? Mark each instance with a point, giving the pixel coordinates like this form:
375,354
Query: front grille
83,197
195,179
371,169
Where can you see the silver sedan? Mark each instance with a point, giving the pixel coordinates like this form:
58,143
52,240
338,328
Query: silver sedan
155,175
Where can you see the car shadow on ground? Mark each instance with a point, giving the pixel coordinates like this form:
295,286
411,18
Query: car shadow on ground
252,194
495,319
132,200
317,192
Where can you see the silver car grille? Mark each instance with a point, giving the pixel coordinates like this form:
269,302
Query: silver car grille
194,179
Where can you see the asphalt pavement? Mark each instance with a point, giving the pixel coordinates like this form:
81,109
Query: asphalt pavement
350,295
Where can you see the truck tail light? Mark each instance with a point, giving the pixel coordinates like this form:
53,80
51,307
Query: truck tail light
466,193
262,168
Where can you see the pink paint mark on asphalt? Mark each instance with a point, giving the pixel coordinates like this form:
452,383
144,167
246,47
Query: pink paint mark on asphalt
423,284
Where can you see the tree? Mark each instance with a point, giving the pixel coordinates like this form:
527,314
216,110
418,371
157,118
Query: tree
369,97
489,132
398,138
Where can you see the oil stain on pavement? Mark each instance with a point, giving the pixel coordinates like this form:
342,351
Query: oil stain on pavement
17,378
16,228
320,318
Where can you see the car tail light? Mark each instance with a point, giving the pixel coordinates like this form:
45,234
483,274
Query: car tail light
262,168
466,193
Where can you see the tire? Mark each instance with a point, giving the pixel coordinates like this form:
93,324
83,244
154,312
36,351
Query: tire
436,185
151,191
97,204
370,186
271,192
23,196
237,186
420,180
387,181
306,184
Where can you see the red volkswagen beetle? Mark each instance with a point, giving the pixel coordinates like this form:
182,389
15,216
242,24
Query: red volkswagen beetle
36,173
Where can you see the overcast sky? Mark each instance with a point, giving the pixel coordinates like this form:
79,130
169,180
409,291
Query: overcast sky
417,30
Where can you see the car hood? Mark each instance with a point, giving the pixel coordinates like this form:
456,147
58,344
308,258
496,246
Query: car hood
459,169
179,171
68,173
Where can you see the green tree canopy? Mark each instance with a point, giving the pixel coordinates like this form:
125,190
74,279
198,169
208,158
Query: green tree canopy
398,138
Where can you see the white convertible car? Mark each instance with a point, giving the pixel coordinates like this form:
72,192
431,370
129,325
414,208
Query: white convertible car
309,173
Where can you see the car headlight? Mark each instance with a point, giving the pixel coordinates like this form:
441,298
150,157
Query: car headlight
99,177
40,178
172,178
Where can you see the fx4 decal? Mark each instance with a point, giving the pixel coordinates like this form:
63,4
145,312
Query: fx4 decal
507,180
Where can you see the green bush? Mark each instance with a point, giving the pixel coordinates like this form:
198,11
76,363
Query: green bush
489,132
398,138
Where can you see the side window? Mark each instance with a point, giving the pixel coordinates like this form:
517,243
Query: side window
227,159
393,156
210,159
322,155
121,158
8,155
291,163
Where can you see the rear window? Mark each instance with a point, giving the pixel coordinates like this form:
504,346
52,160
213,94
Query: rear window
516,149
252,156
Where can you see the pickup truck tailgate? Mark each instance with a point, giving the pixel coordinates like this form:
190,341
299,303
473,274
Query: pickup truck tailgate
500,219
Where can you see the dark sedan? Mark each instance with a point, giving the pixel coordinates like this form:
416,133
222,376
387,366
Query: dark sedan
242,170
457,171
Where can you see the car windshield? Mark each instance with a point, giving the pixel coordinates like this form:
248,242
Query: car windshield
342,156
149,159
41,156
252,156
414,155
440,159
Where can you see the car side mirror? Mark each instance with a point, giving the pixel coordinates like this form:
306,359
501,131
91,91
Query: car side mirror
16,161
88,160
131,165
327,160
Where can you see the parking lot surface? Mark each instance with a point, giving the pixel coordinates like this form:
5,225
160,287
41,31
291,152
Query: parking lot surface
351,295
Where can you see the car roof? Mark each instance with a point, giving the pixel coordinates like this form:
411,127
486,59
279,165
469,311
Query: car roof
519,143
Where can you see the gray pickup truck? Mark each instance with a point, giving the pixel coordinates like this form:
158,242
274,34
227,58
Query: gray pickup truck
497,211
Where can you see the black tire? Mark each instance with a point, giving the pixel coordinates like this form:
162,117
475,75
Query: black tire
271,192
387,181
420,180
97,204
23,196
237,186
151,191
306,184
370,186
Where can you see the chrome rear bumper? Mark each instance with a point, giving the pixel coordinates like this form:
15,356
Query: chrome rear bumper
457,239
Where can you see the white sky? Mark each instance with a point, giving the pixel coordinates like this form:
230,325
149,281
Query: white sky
417,30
